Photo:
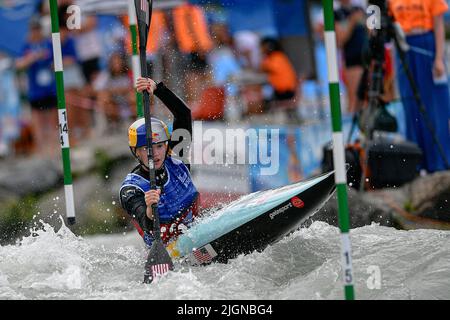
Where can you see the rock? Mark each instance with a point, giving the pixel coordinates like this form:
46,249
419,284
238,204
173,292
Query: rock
33,176
430,196
364,208
42,181
28,176
423,203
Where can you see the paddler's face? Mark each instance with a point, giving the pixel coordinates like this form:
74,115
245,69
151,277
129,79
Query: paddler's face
159,154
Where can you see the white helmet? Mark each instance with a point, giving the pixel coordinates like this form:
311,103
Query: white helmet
137,134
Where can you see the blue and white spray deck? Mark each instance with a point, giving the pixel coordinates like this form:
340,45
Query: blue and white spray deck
253,222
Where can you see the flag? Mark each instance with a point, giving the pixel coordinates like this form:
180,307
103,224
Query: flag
145,12
159,269
204,254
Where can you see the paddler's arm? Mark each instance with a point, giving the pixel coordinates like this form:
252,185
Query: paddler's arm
133,201
179,109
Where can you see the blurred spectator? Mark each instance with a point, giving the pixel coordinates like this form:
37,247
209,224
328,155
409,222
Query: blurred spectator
223,63
246,43
37,59
318,27
352,38
281,75
115,92
9,106
194,42
250,98
79,117
89,47
424,29
222,59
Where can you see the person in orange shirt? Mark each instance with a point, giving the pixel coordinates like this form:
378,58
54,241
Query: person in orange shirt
194,42
281,74
423,24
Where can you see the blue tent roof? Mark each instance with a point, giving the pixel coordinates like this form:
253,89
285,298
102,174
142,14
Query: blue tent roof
14,19
267,17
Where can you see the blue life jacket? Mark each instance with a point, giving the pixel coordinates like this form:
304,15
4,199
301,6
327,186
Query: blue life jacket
178,194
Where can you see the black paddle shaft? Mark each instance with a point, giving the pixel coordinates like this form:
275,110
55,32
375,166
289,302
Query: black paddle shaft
144,20
158,260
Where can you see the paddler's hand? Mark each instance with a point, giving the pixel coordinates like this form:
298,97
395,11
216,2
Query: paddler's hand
151,197
145,84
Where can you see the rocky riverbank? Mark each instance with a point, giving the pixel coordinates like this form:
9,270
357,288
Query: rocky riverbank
422,204
32,189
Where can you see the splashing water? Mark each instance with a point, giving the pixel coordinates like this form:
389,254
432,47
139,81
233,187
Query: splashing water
305,265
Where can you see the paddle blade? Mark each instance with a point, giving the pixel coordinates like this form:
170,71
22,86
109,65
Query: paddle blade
158,262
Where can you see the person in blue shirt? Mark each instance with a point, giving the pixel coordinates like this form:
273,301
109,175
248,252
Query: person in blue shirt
37,60
176,196
9,106
353,38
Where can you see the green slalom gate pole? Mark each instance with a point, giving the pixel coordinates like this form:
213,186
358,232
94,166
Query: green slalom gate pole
135,64
338,149
62,113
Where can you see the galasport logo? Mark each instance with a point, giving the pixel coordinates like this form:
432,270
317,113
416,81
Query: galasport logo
297,202
280,210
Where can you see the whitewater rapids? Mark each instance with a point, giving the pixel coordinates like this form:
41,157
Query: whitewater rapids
305,265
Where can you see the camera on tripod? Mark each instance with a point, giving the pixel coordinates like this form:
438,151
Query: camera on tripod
373,116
